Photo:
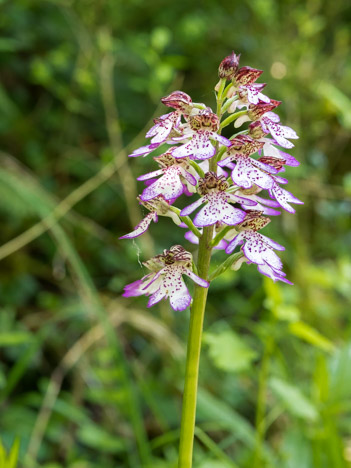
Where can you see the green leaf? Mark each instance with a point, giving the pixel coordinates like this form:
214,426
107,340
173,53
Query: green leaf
340,374
13,455
97,438
214,464
211,408
339,100
12,459
14,338
311,335
229,352
294,400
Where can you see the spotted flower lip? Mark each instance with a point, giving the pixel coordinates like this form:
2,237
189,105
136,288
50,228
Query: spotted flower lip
249,171
200,146
165,281
169,185
280,133
259,249
282,196
163,127
252,93
217,210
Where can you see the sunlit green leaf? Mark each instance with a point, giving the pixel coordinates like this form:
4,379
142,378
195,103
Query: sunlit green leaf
311,335
228,351
294,400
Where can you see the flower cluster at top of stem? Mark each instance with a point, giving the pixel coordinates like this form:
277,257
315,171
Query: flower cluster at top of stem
226,175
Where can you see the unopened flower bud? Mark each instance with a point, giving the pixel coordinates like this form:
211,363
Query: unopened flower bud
254,221
229,66
256,131
205,120
256,111
178,100
277,163
212,181
245,144
246,75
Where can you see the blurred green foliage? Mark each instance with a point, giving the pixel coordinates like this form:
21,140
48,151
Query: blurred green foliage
88,380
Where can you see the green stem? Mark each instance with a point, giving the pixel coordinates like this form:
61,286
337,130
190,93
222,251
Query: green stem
261,403
187,221
229,102
191,225
232,117
193,354
225,265
220,96
197,313
220,235
197,168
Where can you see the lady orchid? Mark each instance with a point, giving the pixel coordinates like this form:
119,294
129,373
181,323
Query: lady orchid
226,179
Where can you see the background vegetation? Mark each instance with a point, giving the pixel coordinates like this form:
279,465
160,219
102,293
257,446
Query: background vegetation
89,380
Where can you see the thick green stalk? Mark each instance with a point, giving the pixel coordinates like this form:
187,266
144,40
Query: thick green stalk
231,118
193,354
197,313
261,403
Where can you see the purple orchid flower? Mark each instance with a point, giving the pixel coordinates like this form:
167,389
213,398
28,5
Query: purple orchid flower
166,281
264,205
280,133
200,146
203,128
258,249
282,196
218,208
248,171
170,185
163,127
252,93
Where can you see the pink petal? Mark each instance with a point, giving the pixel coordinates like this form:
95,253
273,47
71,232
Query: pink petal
220,139
238,240
272,116
245,174
189,177
142,226
218,210
201,282
284,197
169,185
272,243
156,297
149,175
200,147
190,208
273,274
143,150
133,289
